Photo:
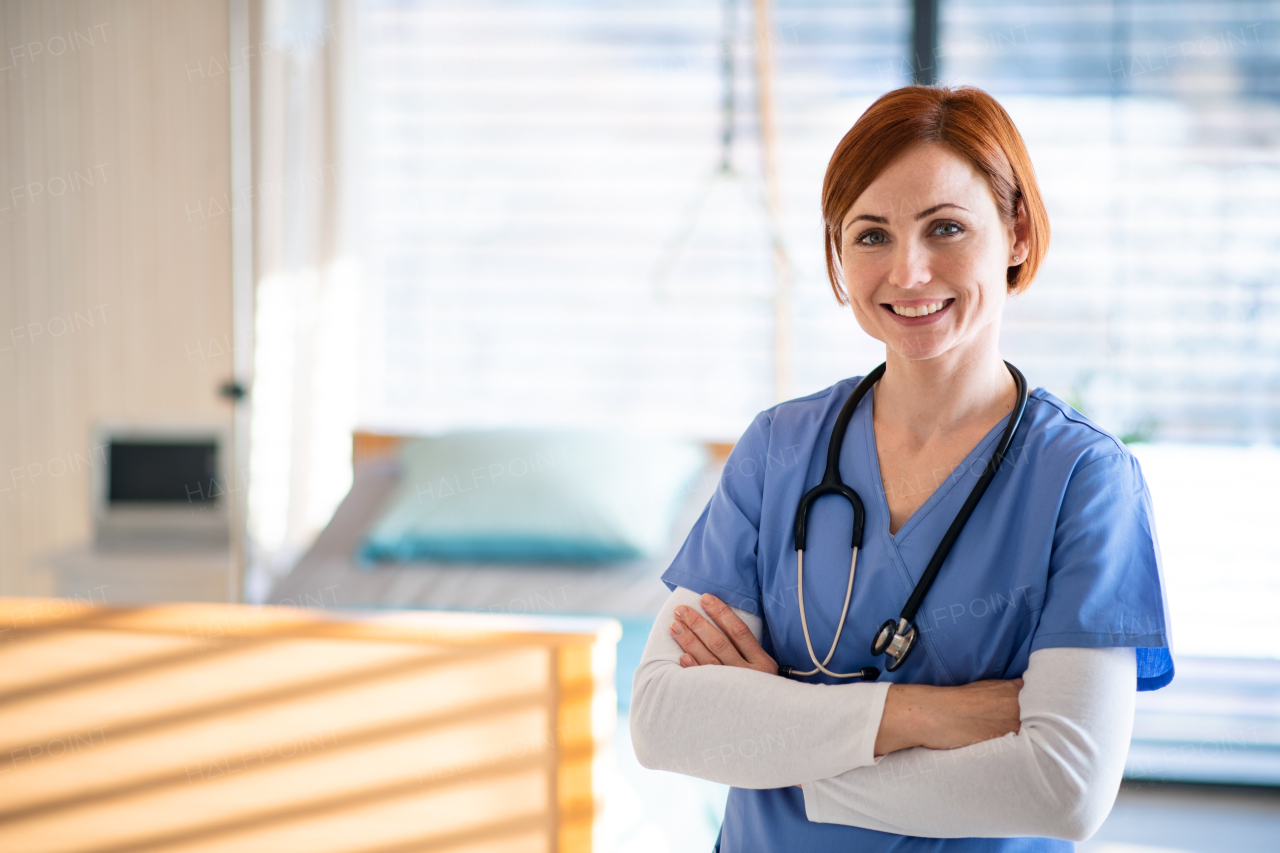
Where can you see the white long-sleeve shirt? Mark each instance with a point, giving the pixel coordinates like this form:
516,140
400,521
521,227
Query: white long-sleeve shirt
1057,777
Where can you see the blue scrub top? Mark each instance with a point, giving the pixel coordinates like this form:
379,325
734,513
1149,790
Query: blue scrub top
1060,551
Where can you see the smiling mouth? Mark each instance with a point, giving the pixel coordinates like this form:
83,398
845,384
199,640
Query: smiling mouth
920,310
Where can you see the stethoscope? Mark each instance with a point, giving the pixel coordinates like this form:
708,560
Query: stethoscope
894,639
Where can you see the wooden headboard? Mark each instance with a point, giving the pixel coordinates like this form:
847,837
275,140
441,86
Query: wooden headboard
376,445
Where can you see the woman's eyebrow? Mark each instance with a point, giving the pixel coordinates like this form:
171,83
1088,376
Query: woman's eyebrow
922,214
869,217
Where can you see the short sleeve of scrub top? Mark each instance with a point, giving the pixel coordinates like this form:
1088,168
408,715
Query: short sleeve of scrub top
1104,574
720,553
1060,551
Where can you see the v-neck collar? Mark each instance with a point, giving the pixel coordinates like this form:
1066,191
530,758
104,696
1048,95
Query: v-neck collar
943,489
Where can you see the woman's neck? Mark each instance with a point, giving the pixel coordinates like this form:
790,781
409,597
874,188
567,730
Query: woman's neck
920,399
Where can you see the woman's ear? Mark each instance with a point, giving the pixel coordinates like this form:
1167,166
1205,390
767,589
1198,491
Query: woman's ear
1021,236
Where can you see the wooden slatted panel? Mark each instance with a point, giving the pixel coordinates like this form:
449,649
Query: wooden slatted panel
218,727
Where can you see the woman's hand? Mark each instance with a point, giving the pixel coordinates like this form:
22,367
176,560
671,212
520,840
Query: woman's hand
948,717
914,714
727,642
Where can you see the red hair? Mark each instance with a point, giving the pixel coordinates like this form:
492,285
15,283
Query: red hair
969,122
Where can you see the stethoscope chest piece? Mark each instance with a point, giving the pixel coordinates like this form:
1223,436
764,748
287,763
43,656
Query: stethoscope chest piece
894,640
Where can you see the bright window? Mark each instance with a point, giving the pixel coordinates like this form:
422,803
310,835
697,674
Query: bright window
528,168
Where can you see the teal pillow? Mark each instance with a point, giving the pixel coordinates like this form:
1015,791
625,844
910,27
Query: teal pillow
534,496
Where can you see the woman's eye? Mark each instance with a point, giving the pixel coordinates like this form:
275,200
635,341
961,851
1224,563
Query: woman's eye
947,229
871,238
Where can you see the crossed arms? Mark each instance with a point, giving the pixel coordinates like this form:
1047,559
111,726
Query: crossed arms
1042,757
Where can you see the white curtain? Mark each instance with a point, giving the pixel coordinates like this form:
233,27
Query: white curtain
307,299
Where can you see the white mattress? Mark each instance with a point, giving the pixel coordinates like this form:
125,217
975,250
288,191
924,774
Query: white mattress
328,574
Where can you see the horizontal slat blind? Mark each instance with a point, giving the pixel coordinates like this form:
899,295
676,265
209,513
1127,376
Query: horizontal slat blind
528,168
1155,130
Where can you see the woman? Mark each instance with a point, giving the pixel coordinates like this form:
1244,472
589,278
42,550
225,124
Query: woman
1007,726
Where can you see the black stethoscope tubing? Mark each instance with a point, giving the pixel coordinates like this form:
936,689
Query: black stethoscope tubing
895,639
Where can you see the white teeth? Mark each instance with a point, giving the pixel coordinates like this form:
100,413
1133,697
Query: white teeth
922,311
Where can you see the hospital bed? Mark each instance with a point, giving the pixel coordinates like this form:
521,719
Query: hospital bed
332,573
1218,722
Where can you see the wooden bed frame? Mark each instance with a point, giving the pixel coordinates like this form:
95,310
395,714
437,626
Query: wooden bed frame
374,445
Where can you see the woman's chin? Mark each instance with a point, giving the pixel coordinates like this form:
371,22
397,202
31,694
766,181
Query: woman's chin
920,346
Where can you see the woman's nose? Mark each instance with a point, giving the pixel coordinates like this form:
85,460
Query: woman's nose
910,265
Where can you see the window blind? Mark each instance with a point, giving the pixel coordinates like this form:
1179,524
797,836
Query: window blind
546,240
529,167
1155,130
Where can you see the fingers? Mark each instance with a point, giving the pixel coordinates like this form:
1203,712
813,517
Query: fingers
723,639
735,629
695,652
712,638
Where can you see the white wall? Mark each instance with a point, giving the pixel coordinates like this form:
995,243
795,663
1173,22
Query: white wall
115,252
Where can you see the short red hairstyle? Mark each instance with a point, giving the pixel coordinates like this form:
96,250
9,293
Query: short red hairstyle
969,122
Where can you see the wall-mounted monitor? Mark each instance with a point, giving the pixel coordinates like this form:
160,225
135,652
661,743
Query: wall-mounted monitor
161,487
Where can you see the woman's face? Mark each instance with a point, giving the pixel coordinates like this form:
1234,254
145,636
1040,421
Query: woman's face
924,254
